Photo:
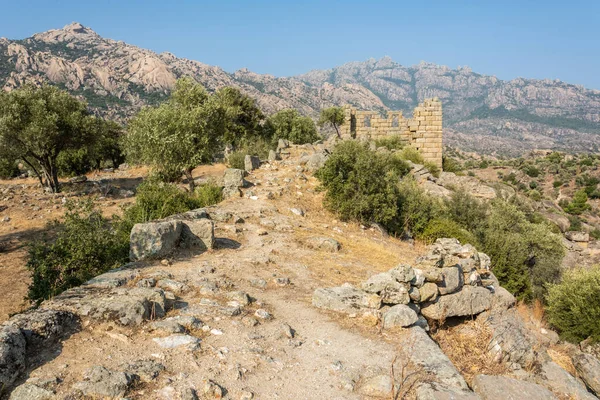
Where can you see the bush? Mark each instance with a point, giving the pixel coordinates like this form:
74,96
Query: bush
433,169
289,124
533,185
535,195
390,142
155,201
525,256
466,210
575,223
208,194
595,233
574,305
449,164
85,246
73,162
361,184
579,203
446,228
165,175
236,160
412,154
484,164
532,171
416,209
8,169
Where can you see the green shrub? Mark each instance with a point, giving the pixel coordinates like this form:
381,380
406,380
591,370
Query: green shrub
155,201
525,256
595,233
433,169
416,209
289,124
391,143
466,210
574,305
535,195
73,162
533,185
208,194
85,246
236,160
165,175
8,169
484,164
578,204
446,228
532,171
412,154
361,184
575,223
449,164
510,178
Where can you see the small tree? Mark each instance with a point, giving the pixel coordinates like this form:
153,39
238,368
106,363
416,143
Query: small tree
37,124
179,134
289,124
242,116
579,203
333,116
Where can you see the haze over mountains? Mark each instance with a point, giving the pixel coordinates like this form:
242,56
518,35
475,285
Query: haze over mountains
481,113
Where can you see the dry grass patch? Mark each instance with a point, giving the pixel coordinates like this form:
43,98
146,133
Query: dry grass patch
466,345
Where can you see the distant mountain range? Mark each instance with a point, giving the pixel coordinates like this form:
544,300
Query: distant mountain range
481,113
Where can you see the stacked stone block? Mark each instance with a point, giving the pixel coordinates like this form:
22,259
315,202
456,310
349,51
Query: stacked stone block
422,132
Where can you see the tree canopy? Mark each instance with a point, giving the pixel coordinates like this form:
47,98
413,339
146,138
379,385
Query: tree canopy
180,134
289,124
333,116
37,124
243,118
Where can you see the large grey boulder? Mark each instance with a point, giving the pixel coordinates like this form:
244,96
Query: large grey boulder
316,161
426,355
198,234
154,239
588,368
324,243
345,299
125,306
559,381
251,163
575,236
102,382
500,387
399,315
233,177
43,327
12,354
471,300
28,391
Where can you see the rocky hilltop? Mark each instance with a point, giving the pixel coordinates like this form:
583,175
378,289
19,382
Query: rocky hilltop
502,116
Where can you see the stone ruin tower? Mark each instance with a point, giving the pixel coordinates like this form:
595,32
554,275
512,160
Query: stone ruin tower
423,131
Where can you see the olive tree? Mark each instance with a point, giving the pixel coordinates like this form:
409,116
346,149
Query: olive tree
178,135
333,116
243,118
289,124
37,124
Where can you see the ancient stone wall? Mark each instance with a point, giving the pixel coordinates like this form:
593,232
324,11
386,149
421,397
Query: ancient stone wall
423,131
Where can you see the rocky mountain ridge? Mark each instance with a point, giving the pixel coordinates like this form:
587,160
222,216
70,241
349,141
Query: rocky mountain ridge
481,113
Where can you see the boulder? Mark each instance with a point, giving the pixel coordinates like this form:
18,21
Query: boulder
501,387
453,280
377,386
399,315
316,161
425,354
43,327
177,340
471,300
402,273
324,243
251,163
12,354
282,144
28,391
503,298
126,306
198,234
429,292
559,381
154,239
580,237
345,299
234,178
588,368
102,382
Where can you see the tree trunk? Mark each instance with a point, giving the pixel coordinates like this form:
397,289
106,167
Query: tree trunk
188,174
35,170
337,130
51,173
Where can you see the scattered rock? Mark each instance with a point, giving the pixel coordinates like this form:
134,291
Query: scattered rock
574,236
297,211
28,391
251,163
377,386
324,243
177,340
102,382
399,315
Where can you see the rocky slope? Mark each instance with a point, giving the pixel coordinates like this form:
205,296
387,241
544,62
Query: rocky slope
502,116
260,309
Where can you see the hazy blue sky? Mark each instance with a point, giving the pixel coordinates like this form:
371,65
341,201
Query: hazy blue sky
527,38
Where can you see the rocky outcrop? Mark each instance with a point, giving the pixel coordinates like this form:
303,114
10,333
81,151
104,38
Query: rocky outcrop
158,239
588,368
500,387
